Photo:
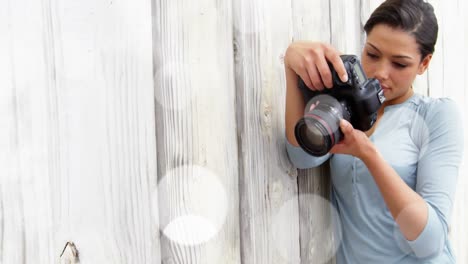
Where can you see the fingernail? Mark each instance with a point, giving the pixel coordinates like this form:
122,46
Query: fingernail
344,77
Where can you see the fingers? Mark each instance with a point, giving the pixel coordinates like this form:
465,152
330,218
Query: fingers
325,72
342,146
306,78
315,77
337,148
334,58
310,75
321,75
310,61
346,127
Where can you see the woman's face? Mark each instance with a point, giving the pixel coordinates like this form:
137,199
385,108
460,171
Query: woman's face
392,56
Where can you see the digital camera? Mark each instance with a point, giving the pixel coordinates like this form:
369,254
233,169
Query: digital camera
356,100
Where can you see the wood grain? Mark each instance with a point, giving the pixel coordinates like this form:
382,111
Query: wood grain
196,132
312,23
79,138
268,204
153,132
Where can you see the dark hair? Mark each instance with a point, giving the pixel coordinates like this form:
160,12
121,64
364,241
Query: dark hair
413,16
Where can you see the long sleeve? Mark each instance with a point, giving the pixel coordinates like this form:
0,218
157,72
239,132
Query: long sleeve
441,150
301,159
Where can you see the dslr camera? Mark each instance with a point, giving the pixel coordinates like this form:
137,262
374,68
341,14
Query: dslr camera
356,100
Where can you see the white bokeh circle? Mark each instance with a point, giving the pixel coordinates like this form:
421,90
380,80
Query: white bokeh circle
192,205
328,237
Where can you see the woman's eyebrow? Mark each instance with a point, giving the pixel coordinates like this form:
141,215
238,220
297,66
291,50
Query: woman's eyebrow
394,56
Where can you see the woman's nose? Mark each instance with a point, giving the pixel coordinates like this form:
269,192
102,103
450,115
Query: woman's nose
382,72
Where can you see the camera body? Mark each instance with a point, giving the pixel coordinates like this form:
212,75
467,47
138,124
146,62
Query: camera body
356,100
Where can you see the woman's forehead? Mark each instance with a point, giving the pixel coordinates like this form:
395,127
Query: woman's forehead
393,41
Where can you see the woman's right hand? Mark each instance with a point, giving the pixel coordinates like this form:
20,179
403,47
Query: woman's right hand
309,61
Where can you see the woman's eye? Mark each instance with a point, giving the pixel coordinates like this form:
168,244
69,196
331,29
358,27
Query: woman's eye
399,65
371,55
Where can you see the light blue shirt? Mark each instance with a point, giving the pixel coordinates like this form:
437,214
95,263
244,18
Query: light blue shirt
422,139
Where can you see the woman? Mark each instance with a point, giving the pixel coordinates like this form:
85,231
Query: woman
394,184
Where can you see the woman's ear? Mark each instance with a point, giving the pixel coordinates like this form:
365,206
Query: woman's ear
424,64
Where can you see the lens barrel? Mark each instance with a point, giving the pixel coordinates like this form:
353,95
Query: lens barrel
318,131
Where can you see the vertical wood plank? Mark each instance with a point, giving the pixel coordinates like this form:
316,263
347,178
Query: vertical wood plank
312,22
269,222
80,143
319,238
27,136
107,94
196,131
346,29
8,178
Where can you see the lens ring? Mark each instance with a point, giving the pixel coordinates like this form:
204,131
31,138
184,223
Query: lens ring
318,131
325,125
314,150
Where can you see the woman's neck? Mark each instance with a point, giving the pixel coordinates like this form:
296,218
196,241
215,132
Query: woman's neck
400,99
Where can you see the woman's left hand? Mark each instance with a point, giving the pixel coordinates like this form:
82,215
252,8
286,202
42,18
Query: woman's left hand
355,142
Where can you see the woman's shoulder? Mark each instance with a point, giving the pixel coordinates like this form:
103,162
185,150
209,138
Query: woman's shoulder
434,109
436,118
431,117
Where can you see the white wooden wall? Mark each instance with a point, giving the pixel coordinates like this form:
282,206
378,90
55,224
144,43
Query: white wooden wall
153,132
77,133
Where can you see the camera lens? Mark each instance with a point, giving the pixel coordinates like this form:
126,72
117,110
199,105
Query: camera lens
319,130
313,135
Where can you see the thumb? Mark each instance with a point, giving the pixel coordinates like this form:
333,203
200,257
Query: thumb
345,126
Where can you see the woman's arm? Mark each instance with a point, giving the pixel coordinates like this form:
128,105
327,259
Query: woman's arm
307,60
294,105
398,196
422,214
407,207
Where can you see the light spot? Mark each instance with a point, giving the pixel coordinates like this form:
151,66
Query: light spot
191,204
321,238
